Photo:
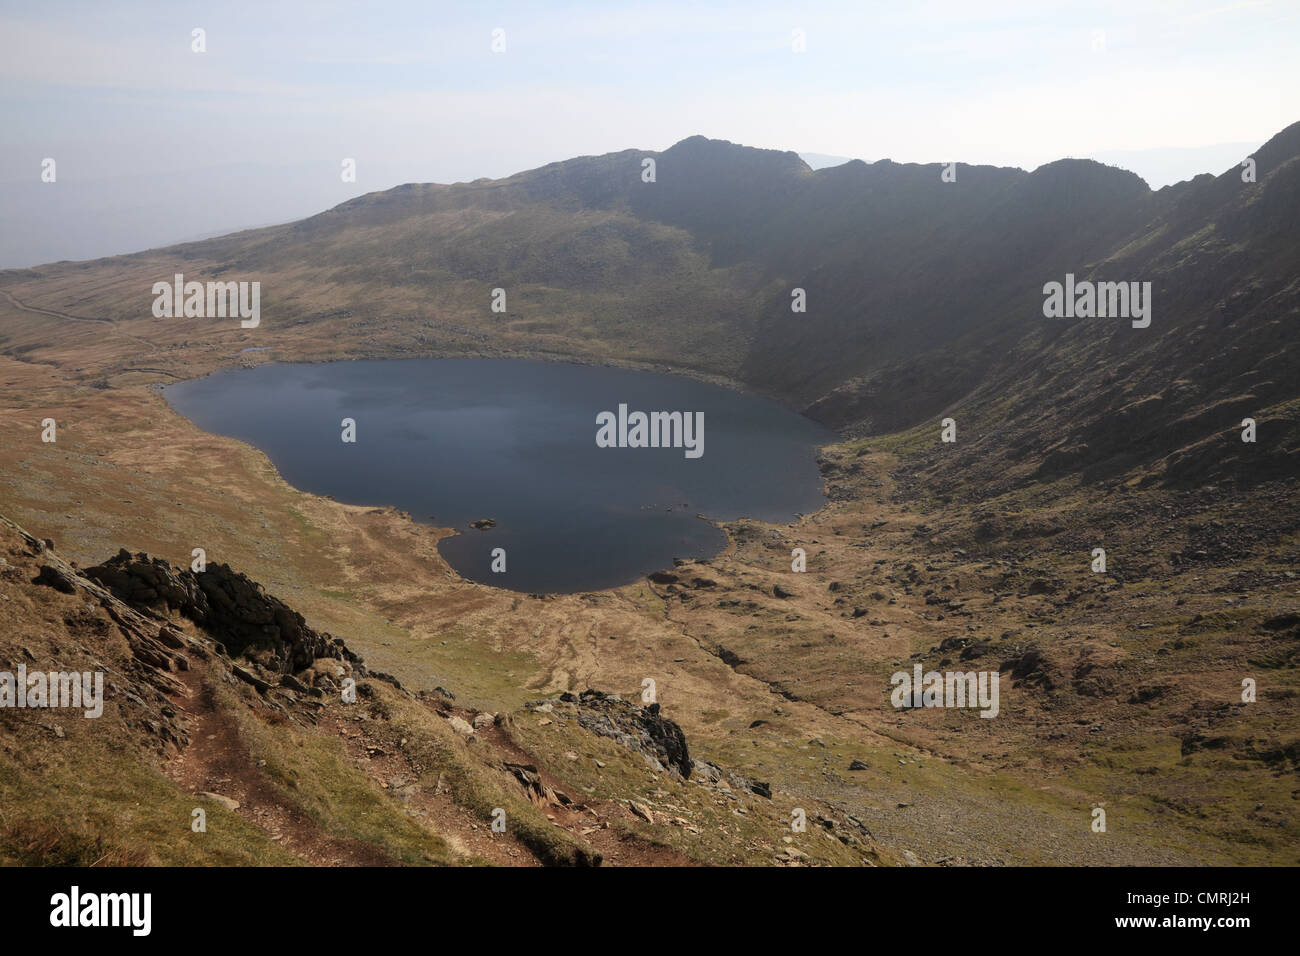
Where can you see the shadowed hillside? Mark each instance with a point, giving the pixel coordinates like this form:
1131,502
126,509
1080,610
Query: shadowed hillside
923,296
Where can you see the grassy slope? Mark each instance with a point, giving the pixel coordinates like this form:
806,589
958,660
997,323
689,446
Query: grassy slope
127,472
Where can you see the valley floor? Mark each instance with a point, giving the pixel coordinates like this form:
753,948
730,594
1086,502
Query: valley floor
1120,691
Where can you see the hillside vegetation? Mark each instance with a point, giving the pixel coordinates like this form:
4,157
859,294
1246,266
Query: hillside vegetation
1122,689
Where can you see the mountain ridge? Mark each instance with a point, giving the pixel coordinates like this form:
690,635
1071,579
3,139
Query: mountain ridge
921,294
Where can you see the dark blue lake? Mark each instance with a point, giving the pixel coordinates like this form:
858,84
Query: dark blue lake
456,440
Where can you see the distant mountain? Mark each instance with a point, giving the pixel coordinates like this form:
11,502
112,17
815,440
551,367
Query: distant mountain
823,160
1159,167
1165,167
925,298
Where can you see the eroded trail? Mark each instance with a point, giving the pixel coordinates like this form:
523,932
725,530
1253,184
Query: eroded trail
217,761
102,323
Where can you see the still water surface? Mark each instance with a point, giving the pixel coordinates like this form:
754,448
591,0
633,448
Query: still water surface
456,440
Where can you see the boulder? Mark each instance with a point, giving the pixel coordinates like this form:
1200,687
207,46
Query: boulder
226,802
461,727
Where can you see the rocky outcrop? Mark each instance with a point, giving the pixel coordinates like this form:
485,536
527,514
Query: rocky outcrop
646,731
709,773
230,606
642,729
138,593
145,684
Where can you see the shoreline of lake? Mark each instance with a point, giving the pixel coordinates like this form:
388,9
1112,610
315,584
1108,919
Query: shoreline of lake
605,538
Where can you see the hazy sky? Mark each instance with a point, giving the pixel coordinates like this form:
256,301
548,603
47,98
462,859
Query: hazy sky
413,91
